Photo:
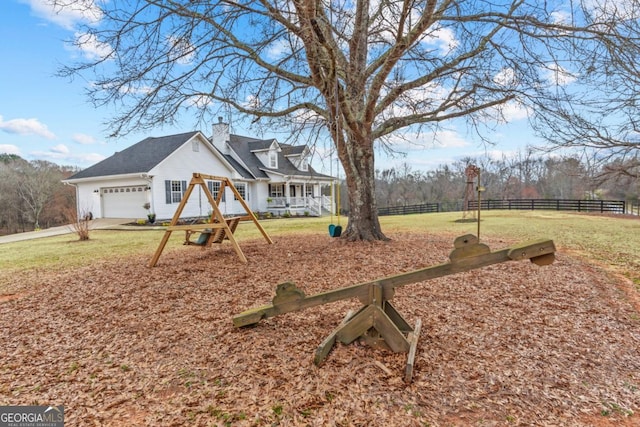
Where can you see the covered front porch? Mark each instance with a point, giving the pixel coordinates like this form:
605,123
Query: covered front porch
300,198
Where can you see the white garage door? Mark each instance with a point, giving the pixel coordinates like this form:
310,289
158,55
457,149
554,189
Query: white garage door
124,202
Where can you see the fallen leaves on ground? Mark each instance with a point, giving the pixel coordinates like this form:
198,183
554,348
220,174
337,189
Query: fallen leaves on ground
118,343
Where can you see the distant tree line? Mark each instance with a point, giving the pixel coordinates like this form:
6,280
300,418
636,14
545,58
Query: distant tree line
525,175
32,194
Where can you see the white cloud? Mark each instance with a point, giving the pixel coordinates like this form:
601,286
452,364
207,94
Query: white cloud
91,47
62,155
69,14
560,17
26,127
442,38
441,139
91,158
505,77
9,149
199,101
252,101
60,149
449,139
445,39
558,75
431,92
83,139
605,10
513,111
180,50
279,49
500,154
510,112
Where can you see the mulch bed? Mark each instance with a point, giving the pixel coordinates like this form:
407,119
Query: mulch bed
118,343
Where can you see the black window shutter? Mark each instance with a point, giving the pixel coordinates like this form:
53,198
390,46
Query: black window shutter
184,188
167,191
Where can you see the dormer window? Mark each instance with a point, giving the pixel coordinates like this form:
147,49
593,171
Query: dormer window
273,159
302,162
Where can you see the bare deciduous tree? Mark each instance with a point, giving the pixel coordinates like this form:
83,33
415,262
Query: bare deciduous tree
601,117
11,217
359,71
37,186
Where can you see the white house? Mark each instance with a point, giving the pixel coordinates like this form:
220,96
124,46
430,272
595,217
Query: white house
271,177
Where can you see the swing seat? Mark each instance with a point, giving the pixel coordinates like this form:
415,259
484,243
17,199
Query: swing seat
219,235
335,230
202,239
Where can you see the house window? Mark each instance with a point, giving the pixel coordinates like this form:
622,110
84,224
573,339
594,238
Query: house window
242,189
276,190
195,146
304,165
308,191
273,159
214,188
174,190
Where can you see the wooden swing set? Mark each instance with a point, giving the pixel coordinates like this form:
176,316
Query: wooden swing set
217,228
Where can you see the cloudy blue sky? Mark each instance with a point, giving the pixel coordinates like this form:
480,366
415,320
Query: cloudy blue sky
44,117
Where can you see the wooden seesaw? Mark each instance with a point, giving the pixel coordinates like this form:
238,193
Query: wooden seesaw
378,323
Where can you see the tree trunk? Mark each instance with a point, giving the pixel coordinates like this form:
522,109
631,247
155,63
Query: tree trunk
358,161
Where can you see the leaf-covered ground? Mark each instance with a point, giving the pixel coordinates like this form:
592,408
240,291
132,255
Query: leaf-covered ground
120,344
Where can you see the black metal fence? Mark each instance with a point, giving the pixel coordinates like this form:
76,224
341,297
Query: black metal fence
602,206
411,209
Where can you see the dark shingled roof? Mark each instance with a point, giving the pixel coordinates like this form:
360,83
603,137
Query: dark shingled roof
243,146
237,166
139,158
289,150
148,153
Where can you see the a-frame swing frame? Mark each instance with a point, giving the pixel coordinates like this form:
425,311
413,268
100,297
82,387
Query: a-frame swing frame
216,220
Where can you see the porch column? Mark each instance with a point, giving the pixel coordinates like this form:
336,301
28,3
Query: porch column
287,197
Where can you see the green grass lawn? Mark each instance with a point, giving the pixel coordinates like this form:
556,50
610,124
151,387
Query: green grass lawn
607,240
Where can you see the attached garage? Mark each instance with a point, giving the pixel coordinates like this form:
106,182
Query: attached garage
124,201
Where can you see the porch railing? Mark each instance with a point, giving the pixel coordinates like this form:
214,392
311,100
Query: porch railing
314,205
277,202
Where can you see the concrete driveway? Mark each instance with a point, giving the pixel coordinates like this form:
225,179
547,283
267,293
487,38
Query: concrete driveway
96,224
